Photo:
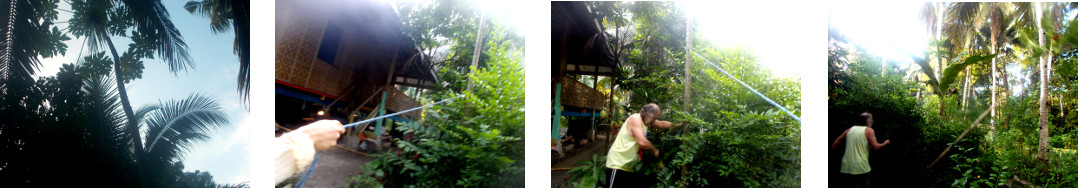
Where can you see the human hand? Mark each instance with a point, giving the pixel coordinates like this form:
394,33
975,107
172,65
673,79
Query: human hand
655,152
323,133
886,142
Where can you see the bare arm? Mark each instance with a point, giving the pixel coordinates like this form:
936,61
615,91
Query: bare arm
871,135
636,126
664,124
840,138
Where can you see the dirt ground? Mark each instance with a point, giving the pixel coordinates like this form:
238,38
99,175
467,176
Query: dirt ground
334,167
337,165
559,178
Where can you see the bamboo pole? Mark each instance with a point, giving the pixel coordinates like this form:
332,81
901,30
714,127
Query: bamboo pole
948,149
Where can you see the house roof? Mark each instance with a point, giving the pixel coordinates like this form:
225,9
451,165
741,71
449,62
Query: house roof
576,32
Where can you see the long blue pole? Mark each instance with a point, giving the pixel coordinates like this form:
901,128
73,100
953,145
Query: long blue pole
750,88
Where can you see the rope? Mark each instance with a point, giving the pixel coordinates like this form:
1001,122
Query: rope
399,113
750,88
319,155
310,170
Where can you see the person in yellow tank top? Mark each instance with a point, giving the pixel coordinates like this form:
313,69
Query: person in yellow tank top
630,140
859,139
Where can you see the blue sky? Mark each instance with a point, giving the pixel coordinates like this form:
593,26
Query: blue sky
227,154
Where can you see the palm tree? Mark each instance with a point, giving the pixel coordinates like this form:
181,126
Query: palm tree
113,151
1042,148
173,128
234,14
153,32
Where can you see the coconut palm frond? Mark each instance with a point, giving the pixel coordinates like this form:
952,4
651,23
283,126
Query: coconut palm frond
103,101
235,15
176,125
151,19
218,11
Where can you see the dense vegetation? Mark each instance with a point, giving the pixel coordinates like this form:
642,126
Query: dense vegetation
732,137
473,141
77,127
924,106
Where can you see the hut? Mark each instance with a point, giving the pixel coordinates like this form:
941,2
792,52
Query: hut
345,60
579,47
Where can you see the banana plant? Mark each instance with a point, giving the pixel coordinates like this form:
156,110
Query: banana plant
940,85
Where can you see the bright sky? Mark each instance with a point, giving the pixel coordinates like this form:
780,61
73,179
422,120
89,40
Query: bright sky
780,34
226,154
893,32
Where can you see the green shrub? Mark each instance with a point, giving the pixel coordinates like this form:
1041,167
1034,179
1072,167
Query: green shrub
732,137
474,141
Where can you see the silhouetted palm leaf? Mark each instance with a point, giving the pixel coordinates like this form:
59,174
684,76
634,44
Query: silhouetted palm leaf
114,155
152,20
175,125
235,14
30,37
172,129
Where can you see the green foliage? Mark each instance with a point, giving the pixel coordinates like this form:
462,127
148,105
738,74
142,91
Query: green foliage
475,141
82,115
858,83
994,154
77,110
438,24
98,64
732,137
951,72
591,173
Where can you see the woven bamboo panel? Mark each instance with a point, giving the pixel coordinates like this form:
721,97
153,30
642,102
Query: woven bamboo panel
299,28
577,94
398,101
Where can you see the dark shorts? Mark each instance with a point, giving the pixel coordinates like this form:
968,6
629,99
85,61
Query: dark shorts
858,180
621,178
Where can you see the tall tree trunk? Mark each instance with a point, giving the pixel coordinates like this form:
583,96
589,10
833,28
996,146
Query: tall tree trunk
132,124
941,93
883,67
994,84
965,90
992,108
1042,150
688,64
476,53
939,36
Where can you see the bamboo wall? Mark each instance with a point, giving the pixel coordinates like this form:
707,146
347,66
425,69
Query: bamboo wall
361,57
577,94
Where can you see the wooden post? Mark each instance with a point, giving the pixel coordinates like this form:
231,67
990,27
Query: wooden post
385,91
381,111
556,119
594,85
477,52
557,115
